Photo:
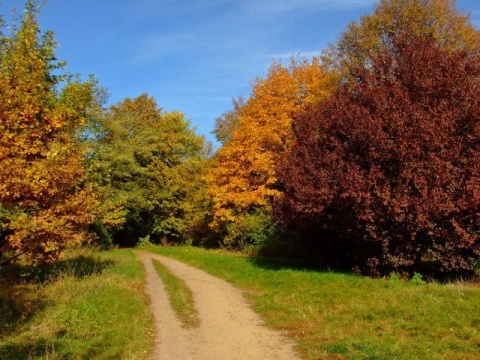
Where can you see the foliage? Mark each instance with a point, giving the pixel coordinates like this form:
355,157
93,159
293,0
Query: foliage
144,241
244,177
254,228
46,198
417,279
103,235
200,232
436,20
148,162
387,173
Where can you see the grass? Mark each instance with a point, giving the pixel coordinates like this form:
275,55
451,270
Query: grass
180,296
88,306
343,316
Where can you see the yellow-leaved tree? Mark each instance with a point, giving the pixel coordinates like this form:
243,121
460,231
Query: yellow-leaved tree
46,200
438,20
244,180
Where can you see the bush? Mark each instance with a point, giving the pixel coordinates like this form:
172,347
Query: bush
254,228
144,241
103,236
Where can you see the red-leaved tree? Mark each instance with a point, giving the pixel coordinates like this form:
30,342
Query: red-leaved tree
386,174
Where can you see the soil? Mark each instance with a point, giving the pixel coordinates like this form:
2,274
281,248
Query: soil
228,329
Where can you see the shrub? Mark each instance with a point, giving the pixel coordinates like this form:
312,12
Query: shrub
102,234
250,229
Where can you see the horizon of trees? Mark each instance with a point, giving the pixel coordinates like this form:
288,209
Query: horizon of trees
366,158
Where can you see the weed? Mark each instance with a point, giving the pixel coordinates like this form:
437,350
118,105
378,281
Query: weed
417,279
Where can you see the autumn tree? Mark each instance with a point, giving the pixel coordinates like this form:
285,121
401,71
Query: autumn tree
386,174
244,180
437,20
45,197
148,162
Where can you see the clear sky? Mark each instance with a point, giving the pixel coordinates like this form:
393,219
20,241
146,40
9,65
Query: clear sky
193,55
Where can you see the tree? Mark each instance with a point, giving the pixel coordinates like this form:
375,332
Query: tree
45,196
244,179
438,20
227,123
148,162
387,173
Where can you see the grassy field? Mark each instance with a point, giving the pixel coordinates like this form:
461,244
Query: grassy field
88,306
343,316
92,306
180,296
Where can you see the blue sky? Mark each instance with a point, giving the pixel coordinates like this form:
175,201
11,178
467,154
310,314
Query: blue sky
193,55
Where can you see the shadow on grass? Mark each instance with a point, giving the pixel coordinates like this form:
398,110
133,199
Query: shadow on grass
18,303
43,349
21,295
79,267
427,269
31,350
23,351
285,264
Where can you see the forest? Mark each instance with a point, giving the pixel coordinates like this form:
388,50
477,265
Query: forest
365,159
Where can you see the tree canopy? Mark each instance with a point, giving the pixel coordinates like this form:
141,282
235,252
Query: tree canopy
368,156
387,173
437,20
245,174
148,162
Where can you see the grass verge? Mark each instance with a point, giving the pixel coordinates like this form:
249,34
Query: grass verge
89,305
180,296
342,316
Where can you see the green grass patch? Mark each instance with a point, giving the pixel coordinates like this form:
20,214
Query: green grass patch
343,316
180,296
89,305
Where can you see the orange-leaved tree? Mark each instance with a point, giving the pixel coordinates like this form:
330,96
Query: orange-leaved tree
244,179
45,196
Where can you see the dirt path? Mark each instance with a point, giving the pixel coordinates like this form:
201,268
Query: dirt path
229,329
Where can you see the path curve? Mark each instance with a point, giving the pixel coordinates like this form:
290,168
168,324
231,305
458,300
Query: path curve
228,329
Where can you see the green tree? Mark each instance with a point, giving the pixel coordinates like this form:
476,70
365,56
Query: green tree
148,162
228,122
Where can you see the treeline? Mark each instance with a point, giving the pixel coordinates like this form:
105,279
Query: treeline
74,171
366,158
